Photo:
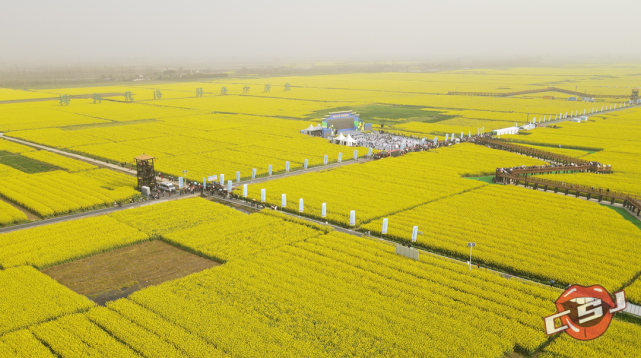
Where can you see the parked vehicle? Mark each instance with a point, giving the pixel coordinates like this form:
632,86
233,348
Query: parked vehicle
165,186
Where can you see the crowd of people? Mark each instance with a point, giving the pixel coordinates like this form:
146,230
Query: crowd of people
386,141
393,145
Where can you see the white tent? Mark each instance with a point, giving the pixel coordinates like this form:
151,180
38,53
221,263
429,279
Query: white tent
310,128
349,141
340,137
318,127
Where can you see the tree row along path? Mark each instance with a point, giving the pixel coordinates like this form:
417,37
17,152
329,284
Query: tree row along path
567,164
75,96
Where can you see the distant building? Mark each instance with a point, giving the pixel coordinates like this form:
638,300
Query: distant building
508,130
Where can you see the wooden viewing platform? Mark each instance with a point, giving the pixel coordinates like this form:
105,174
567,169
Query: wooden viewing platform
526,176
630,201
564,169
538,90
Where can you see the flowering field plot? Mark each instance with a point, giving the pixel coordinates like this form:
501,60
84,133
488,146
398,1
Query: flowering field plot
118,152
11,147
7,171
380,188
338,295
59,161
162,339
22,116
28,297
620,341
528,233
216,231
10,215
235,237
602,131
57,138
191,344
53,244
123,112
56,193
255,155
633,292
164,218
108,178
272,107
76,336
23,343
7,94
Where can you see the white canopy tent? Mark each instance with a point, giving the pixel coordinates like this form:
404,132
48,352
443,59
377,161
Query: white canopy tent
349,141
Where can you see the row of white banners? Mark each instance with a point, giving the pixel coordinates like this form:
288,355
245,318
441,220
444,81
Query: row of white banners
212,178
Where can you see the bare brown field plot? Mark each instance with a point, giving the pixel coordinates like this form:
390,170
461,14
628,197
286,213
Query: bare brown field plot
118,273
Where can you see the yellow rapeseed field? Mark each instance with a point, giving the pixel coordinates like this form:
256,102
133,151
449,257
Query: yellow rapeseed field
28,297
50,245
10,215
289,287
379,188
528,233
339,295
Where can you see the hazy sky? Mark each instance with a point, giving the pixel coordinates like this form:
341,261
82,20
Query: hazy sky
50,30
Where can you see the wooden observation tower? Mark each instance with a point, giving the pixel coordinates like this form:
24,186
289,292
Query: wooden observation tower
146,173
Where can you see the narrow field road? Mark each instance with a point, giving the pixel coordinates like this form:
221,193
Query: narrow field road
545,124
91,213
126,170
